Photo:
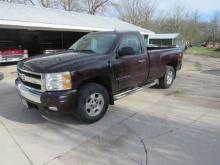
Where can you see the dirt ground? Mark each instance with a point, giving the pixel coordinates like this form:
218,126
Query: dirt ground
177,126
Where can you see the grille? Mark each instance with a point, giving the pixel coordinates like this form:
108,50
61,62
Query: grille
29,74
30,79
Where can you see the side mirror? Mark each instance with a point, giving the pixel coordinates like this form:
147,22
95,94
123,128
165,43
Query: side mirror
125,51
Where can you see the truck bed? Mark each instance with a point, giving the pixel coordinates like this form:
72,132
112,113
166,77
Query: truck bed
159,56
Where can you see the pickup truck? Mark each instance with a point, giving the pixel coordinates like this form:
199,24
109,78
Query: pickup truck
99,68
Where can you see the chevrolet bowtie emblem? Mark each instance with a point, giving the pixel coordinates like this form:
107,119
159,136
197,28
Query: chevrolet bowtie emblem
22,77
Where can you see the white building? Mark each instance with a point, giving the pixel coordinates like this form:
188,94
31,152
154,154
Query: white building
36,28
169,39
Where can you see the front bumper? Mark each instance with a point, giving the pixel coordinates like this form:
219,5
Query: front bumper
61,102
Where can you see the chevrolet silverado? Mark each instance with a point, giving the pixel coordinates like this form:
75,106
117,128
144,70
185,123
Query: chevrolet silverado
94,72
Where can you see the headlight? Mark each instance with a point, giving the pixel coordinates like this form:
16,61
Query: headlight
58,81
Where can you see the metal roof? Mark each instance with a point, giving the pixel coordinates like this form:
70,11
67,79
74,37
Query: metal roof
37,18
164,36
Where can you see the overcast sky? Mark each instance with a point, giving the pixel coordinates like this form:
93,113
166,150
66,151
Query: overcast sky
205,7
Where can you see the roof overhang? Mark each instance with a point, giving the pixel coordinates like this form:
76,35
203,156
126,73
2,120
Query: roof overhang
54,27
16,16
45,26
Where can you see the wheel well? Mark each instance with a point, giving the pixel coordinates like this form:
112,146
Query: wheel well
105,82
173,64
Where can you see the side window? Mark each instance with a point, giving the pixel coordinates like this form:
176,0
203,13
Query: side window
131,41
146,40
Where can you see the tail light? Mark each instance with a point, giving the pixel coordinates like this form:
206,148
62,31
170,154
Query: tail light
0,55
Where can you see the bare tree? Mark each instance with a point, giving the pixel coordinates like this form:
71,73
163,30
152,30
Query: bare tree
191,29
70,5
94,6
214,28
45,3
176,18
138,12
25,2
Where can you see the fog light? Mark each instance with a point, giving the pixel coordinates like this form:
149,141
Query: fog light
53,108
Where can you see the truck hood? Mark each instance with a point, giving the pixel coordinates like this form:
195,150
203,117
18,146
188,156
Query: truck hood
59,62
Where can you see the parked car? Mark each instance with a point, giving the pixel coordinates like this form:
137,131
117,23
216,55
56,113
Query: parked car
13,55
98,69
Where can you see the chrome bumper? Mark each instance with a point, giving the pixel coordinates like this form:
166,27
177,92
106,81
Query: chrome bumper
27,93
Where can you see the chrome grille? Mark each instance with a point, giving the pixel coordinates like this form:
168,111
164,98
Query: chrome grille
31,79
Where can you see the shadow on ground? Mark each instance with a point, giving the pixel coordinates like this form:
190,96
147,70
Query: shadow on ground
215,72
121,137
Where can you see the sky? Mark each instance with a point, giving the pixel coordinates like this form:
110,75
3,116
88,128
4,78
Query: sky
205,7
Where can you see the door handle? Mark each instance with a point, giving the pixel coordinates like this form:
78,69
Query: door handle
141,61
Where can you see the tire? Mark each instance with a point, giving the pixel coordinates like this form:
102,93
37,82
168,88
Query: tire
92,103
167,80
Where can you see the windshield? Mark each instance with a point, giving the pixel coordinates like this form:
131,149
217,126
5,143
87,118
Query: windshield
94,43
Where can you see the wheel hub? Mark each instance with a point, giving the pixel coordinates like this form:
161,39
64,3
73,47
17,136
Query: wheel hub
94,104
169,77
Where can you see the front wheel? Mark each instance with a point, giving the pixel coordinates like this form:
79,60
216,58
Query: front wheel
93,101
167,80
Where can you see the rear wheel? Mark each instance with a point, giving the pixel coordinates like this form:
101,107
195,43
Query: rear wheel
93,101
167,80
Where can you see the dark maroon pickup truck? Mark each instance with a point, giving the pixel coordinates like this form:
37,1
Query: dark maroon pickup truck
98,69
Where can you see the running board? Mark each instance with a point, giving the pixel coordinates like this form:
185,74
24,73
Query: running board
126,93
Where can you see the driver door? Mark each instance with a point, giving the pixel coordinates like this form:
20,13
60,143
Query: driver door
130,70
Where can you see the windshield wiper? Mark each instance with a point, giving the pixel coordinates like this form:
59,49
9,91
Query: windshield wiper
84,51
87,51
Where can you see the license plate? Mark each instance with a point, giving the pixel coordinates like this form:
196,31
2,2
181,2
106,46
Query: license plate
25,103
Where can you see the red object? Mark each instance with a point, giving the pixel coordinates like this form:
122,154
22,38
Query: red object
13,52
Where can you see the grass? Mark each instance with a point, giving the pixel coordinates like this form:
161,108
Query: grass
203,51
